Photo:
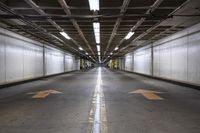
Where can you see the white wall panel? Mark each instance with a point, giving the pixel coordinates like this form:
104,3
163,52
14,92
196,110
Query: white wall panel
22,58
69,63
194,58
156,61
165,61
142,61
176,57
129,62
54,61
2,60
33,61
162,60
179,59
14,59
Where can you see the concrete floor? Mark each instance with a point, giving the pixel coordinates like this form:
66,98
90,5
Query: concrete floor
68,112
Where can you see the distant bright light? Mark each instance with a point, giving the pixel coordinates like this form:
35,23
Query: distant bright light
65,35
129,35
116,48
96,27
99,59
80,48
111,53
99,53
86,53
98,48
94,5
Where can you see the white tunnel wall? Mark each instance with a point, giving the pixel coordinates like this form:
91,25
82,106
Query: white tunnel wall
142,61
176,57
129,62
70,63
121,64
22,58
54,61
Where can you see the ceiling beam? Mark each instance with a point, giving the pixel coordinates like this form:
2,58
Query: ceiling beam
87,8
35,26
116,26
150,29
149,11
156,25
41,12
74,22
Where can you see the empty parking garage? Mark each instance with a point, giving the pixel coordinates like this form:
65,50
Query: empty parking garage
99,66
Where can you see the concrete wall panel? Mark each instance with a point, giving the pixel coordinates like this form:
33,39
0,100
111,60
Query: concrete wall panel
22,58
33,61
194,58
70,63
129,62
54,61
142,61
164,60
179,59
2,60
14,59
156,61
176,57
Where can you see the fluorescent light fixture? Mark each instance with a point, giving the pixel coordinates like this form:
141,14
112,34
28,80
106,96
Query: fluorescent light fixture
80,48
98,48
86,53
99,53
96,27
94,5
65,35
90,56
116,48
99,59
111,53
129,35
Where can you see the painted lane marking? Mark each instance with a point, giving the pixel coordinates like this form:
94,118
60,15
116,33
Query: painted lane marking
97,116
43,94
148,94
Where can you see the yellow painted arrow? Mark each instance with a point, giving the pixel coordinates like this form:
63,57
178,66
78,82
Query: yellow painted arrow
43,94
148,94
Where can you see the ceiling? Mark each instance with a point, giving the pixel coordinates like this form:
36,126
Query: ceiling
42,20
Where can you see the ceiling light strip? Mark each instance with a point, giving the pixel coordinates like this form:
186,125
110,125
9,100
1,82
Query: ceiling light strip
94,5
129,35
65,35
96,27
